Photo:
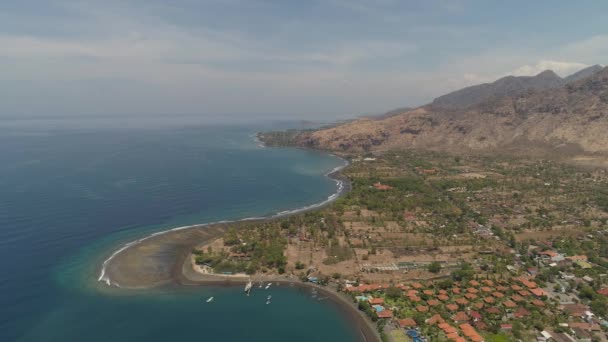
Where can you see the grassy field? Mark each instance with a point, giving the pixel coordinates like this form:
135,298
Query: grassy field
399,336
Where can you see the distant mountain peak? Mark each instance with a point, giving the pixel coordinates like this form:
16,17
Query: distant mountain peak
584,73
548,74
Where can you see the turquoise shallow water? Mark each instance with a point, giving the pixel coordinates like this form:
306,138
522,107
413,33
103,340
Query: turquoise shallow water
71,192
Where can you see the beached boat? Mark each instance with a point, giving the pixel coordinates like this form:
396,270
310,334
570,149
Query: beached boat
268,286
248,287
210,300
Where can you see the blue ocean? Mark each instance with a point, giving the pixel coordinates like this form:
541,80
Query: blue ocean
74,190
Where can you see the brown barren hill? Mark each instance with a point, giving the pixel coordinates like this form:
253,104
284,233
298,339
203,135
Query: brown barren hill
572,118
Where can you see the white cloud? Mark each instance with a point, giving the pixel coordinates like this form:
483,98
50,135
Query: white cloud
560,68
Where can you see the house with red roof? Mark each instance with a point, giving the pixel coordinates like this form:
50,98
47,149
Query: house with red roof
603,292
435,319
538,303
470,296
376,301
460,316
407,323
385,314
432,302
452,307
422,308
478,305
415,298
462,301
517,298
521,312
538,292
509,304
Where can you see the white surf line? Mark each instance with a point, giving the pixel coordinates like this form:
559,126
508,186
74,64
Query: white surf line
103,277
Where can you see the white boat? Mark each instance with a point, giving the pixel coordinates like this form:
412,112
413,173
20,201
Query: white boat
248,287
210,300
269,297
268,302
268,286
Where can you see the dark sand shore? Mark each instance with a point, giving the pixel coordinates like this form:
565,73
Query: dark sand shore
164,260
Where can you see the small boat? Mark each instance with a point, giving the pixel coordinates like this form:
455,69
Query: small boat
248,287
210,300
268,286
269,297
268,302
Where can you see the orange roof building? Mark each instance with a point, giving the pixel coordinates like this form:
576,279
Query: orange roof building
521,312
538,303
452,307
462,301
432,302
385,314
478,305
470,296
414,298
538,292
407,323
460,316
376,301
517,298
422,308
509,304
435,319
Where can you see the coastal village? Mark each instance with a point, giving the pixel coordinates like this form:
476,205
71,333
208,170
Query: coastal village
433,247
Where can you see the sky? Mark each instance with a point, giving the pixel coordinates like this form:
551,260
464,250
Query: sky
303,59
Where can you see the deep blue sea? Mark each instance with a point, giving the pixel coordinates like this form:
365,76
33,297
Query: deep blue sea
74,190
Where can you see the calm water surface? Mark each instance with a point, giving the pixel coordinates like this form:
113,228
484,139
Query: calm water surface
72,191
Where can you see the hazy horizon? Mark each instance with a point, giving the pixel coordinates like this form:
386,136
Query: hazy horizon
233,60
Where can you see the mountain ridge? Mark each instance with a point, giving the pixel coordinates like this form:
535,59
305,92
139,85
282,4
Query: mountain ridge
572,118
508,86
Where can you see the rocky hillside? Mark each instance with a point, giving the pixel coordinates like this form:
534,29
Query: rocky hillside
569,118
508,86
